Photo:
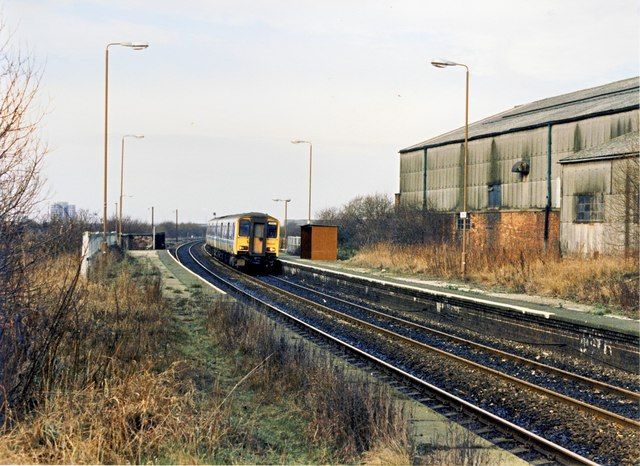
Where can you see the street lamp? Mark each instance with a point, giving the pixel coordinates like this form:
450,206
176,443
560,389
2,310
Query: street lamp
137,136
134,46
286,202
464,215
298,141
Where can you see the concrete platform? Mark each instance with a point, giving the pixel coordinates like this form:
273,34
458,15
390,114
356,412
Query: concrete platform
562,310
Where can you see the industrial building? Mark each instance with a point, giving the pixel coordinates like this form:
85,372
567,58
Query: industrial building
544,174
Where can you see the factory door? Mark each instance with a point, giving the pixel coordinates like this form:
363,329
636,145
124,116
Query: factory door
257,238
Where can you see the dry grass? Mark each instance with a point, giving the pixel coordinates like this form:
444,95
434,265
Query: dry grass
604,280
109,390
128,376
137,418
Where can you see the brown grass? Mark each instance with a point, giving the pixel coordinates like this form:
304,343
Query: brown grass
128,379
604,280
109,391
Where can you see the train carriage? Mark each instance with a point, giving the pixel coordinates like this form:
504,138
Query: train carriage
249,239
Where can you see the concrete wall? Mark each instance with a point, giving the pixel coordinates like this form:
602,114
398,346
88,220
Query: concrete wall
91,242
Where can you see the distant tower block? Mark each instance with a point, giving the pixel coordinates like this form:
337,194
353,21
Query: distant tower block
319,242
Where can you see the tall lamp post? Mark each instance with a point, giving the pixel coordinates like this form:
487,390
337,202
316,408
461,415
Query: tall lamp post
464,215
137,136
134,46
177,227
298,141
153,230
286,202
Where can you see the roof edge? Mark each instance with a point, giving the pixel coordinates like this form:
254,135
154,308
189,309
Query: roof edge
522,128
621,155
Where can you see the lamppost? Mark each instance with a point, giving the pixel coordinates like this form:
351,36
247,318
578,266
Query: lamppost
137,136
134,46
298,141
464,215
177,227
286,202
153,230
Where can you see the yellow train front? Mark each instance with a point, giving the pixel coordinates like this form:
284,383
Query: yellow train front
243,240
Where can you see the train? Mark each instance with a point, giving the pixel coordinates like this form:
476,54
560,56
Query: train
245,240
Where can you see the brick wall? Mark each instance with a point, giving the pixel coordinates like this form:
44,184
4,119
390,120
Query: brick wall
521,230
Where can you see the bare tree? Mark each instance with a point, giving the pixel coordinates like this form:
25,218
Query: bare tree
21,156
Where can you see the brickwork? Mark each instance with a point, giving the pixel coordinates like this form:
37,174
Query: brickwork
519,230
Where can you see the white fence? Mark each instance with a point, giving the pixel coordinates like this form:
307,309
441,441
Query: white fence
91,242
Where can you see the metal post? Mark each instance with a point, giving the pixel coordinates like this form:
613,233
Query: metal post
310,165
466,174
286,202
104,246
176,227
153,231
121,188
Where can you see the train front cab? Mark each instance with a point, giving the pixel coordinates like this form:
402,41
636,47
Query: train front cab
257,242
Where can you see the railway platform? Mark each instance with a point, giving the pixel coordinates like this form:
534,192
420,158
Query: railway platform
550,308
573,329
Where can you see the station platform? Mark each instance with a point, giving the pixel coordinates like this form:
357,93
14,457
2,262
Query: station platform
549,308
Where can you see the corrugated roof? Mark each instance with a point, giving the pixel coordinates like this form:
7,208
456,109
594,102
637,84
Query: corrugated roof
610,98
627,144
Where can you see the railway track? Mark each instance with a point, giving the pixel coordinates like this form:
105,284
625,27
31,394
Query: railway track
527,442
618,393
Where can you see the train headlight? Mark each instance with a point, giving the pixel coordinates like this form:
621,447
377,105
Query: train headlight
271,249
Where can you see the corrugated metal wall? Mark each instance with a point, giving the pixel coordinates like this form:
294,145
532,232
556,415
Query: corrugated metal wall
491,160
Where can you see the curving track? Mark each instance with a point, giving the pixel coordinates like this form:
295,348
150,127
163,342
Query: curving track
528,443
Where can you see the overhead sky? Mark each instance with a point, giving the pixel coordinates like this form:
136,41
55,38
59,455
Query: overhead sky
224,87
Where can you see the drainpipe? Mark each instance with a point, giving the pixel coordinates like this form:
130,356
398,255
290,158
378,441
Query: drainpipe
547,209
424,181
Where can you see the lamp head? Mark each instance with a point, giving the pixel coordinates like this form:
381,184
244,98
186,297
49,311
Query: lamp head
136,45
299,141
440,63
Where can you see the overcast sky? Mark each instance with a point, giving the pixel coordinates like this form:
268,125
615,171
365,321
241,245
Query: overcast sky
225,86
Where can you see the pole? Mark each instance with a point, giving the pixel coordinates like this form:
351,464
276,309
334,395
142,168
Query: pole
176,227
466,174
286,202
153,231
310,165
121,189
104,246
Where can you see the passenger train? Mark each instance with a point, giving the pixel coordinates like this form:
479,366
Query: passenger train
243,240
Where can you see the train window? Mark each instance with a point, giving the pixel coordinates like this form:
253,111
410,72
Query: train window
272,230
245,227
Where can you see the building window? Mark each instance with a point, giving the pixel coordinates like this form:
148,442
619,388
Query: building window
590,207
461,221
495,195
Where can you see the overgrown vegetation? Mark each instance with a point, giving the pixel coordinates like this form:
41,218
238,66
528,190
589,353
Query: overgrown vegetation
347,410
132,377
